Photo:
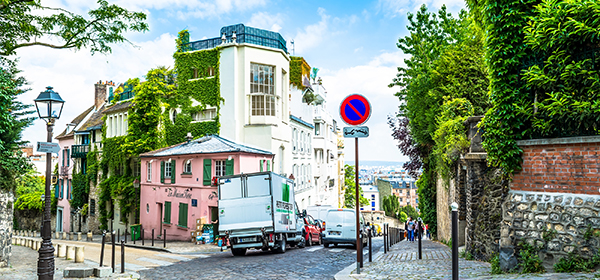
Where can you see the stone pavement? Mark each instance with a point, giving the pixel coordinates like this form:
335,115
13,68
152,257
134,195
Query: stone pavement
402,262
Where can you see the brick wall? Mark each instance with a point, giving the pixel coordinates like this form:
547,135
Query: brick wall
567,165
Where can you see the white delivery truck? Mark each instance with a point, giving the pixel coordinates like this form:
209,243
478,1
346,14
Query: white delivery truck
258,210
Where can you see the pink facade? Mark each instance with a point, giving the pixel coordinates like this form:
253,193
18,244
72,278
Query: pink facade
176,205
63,189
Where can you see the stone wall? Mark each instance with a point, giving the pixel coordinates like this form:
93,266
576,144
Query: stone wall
6,226
32,220
485,192
554,200
560,223
444,222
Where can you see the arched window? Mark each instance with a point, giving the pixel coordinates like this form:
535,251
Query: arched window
309,143
187,166
302,142
294,140
174,115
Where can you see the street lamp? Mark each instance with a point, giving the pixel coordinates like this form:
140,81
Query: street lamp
49,107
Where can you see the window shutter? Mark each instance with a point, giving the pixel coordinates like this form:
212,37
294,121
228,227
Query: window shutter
61,189
56,190
162,172
68,158
206,172
68,190
229,167
268,165
261,165
173,171
183,214
167,218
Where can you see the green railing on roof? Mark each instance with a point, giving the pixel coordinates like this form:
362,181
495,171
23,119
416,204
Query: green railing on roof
244,34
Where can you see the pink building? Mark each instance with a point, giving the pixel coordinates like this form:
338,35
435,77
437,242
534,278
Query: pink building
177,182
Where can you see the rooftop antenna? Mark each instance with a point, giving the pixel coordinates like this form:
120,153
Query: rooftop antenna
293,49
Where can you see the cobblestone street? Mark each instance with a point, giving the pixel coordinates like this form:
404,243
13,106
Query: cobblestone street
313,262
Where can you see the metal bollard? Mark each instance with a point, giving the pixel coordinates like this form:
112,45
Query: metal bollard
152,237
370,249
125,235
118,234
165,238
122,256
454,241
102,249
113,251
361,248
384,240
142,234
419,229
133,236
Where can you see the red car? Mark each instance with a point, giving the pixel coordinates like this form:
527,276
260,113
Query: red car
311,231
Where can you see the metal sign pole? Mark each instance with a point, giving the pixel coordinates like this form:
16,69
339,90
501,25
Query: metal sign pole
356,186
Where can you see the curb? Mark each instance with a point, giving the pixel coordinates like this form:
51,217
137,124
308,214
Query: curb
149,248
345,273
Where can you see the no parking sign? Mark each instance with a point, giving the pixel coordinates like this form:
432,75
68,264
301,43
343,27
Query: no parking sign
355,109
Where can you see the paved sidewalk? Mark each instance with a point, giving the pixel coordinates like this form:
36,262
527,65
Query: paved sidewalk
402,262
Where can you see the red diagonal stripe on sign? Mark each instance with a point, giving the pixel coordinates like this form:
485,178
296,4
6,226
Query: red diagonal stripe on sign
356,111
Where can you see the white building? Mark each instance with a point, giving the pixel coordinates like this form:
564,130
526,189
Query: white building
371,193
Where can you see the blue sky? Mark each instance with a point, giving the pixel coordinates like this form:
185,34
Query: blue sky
353,43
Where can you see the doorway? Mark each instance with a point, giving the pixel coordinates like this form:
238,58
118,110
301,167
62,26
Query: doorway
214,216
59,219
160,218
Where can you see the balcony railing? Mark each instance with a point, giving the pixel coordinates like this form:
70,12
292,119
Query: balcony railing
243,34
80,151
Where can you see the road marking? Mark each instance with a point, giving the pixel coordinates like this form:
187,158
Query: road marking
314,249
199,256
130,266
159,262
336,250
173,257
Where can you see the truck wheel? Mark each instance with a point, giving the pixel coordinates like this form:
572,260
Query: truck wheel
281,248
326,245
302,243
238,251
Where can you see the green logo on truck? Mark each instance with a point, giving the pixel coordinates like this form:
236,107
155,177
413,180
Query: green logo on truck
285,190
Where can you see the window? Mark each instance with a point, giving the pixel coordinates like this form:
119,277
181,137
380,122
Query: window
372,203
294,139
149,171
92,207
400,199
173,116
194,203
138,169
219,168
187,167
206,115
302,142
317,129
183,215
195,75
262,88
168,169
167,217
309,141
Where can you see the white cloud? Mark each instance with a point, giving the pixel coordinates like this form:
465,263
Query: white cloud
312,35
370,80
73,74
394,8
266,21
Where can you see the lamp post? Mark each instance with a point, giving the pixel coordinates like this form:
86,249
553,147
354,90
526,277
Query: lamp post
49,107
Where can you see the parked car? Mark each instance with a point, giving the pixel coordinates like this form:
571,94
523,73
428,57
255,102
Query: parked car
312,231
321,225
341,227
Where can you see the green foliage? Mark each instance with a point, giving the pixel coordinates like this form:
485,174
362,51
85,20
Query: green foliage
402,217
391,205
13,119
410,211
93,165
28,23
576,263
548,235
428,200
296,64
30,201
81,190
350,191
451,135
30,182
566,84
529,261
495,265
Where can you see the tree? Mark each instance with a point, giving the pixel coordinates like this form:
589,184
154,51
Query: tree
13,119
391,205
29,182
28,23
410,211
350,192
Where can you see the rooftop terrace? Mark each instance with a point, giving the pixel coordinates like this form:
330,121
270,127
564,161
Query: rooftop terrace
243,34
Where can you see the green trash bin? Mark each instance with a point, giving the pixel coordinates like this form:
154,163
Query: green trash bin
136,232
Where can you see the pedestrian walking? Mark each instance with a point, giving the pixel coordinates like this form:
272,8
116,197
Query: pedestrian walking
411,230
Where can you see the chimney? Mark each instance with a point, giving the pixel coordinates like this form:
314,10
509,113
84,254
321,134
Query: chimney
99,95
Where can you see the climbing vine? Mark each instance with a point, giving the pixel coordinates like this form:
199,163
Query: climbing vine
296,65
